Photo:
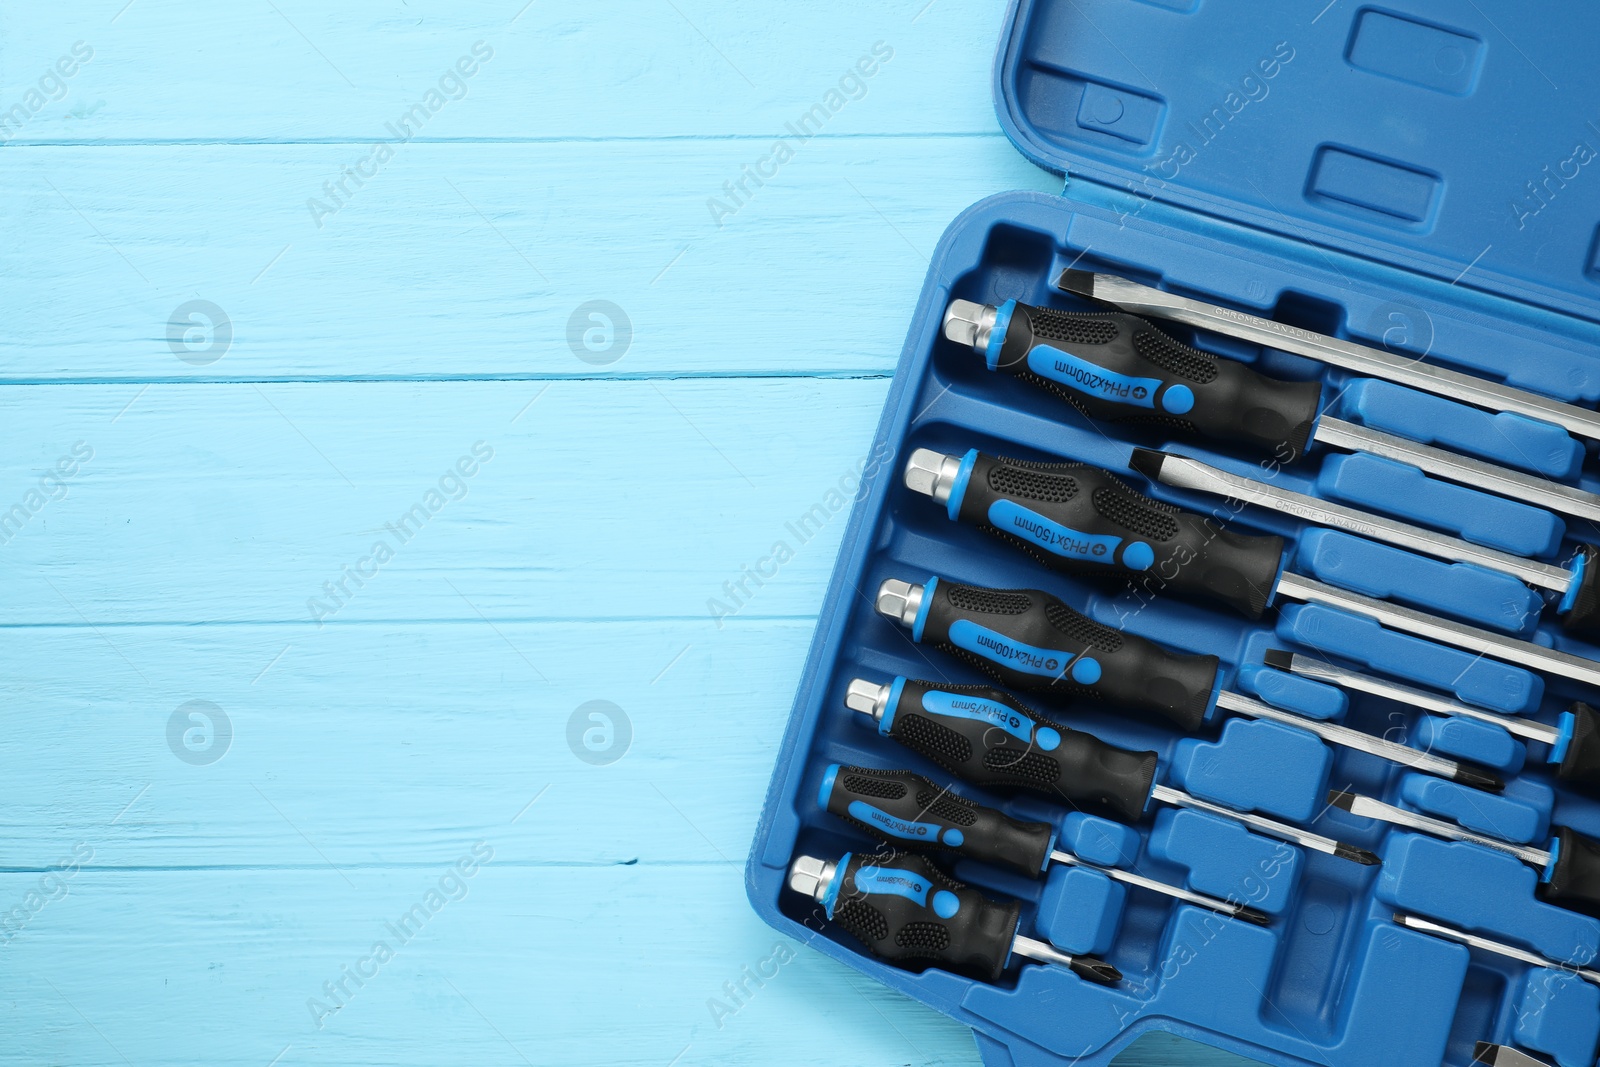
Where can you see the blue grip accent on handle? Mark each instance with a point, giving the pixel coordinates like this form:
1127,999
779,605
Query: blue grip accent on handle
830,896
1034,528
893,882
904,829
998,648
924,608
997,333
1081,376
967,706
958,489
892,705
826,789
1579,565
1566,723
946,904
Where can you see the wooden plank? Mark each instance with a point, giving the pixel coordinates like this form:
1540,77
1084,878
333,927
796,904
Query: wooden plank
474,260
296,70
234,503
386,744
519,965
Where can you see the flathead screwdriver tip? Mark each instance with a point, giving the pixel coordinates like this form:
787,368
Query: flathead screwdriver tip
1080,282
1338,798
1095,970
1278,659
1147,461
1478,778
1357,855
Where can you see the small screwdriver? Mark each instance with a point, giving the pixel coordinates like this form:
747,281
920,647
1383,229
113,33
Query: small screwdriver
1574,741
1120,368
1569,866
1577,581
988,737
904,809
1499,948
1028,639
908,913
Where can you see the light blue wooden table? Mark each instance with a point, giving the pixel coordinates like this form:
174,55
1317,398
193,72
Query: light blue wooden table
329,508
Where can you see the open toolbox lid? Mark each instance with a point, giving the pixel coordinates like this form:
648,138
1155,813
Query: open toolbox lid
1451,140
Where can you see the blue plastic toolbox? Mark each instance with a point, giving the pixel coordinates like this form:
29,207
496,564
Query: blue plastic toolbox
1415,177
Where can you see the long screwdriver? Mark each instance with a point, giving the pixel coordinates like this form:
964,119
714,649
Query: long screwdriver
907,810
1120,368
1578,582
909,914
988,737
1499,948
1569,866
1408,370
1574,740
1027,639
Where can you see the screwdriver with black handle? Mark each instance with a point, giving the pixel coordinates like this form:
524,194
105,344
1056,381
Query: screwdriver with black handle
907,810
908,913
1027,639
1117,367
991,739
1082,520
1568,866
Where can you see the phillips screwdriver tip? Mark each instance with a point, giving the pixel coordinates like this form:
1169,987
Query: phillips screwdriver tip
1252,915
1147,461
1479,779
1096,971
1077,281
1357,855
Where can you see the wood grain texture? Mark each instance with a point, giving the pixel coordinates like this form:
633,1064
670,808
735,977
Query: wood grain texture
181,519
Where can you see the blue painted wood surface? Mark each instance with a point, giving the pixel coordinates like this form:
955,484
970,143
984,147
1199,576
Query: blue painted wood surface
246,745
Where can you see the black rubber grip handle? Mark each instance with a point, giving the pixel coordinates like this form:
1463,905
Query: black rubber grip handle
1119,368
1580,765
905,911
988,737
1084,520
1574,878
1027,639
909,811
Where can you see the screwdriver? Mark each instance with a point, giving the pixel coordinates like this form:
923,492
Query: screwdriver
1027,639
979,484
989,738
1499,948
1569,866
1574,741
908,913
904,809
1578,582
1120,368
1083,520
1407,370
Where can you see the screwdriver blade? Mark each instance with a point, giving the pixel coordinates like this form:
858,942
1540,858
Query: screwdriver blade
1492,1055
1225,907
1367,808
1083,966
1499,948
1405,369
1323,671
1271,827
1184,472
1392,751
